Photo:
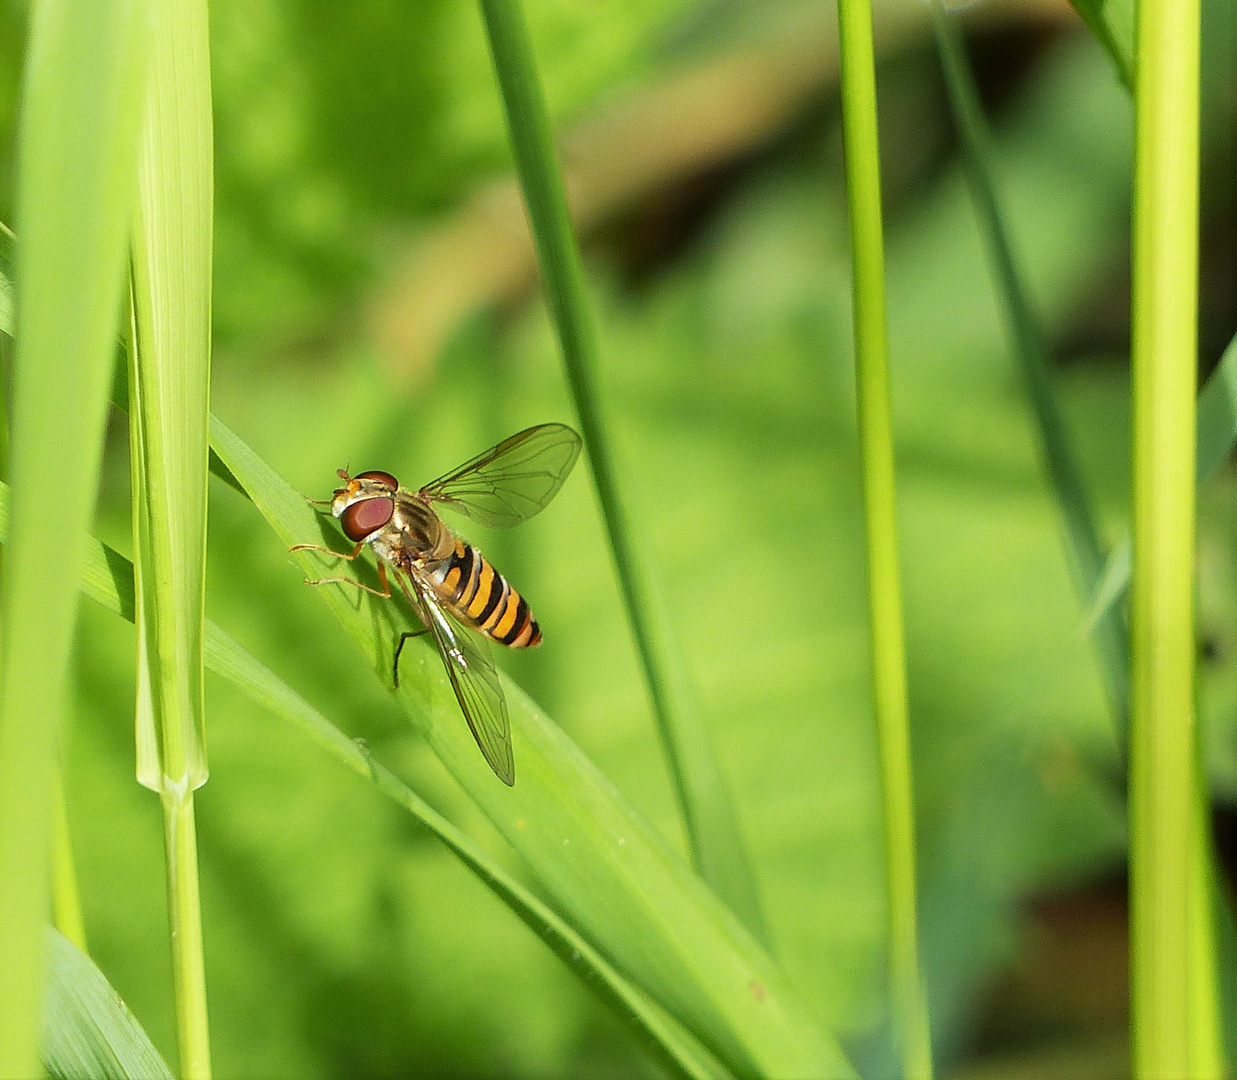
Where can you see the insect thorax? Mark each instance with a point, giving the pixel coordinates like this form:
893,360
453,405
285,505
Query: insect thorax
414,534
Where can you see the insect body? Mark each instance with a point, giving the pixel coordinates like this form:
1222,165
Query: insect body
449,583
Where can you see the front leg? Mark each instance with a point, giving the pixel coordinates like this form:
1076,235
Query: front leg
356,551
385,594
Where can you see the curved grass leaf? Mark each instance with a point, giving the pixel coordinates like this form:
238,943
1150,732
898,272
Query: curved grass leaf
604,868
88,1031
705,802
1084,548
107,578
84,77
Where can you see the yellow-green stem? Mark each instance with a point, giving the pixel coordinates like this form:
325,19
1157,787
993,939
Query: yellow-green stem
188,961
909,1006
1166,865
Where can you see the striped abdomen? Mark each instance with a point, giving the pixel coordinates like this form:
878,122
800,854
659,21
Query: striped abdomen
480,596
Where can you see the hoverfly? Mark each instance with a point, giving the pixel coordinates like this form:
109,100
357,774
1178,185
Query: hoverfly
452,587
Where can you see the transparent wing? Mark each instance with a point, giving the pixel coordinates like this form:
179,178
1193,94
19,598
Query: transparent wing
512,481
466,656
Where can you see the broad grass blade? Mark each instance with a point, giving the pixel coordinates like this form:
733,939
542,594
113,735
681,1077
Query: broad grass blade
84,78
602,866
107,578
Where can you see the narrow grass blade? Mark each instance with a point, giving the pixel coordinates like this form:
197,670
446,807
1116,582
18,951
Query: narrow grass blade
605,869
107,578
859,129
1083,546
709,815
87,1029
76,163
1106,582
1164,784
1217,435
170,387
169,419
1112,22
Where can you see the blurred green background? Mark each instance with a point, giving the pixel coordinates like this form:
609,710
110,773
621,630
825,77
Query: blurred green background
376,307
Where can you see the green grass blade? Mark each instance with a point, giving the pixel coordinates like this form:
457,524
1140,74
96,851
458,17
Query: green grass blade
88,1031
1112,22
677,1053
107,578
1084,546
1166,999
859,129
170,387
708,811
604,868
169,420
76,163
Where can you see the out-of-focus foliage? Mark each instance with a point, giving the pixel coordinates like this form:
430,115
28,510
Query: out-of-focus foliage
341,127
340,941
1112,22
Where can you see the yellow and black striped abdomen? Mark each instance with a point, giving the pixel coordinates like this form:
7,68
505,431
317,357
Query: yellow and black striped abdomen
479,596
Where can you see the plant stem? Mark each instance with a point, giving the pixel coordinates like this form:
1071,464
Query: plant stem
185,912
858,73
1164,783
708,813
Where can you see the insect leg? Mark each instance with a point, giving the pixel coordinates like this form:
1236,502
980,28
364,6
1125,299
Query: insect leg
349,581
330,551
385,593
400,648
418,606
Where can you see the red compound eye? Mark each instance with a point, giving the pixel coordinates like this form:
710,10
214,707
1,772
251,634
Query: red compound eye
382,478
363,517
